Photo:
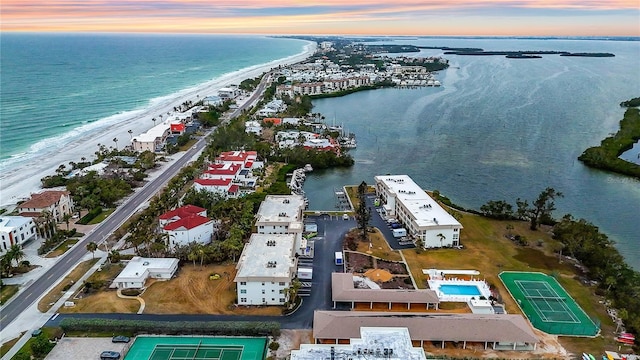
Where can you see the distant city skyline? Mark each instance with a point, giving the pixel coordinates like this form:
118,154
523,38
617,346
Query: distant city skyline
329,17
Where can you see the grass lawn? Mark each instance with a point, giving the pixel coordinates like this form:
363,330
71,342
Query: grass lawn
103,215
105,300
58,291
188,145
62,248
7,292
379,247
487,249
49,332
191,292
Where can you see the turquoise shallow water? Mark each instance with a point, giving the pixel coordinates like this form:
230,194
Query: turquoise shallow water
55,84
499,129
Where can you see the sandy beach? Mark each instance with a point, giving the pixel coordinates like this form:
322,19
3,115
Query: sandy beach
18,182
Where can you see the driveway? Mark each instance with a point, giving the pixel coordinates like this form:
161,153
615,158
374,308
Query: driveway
378,221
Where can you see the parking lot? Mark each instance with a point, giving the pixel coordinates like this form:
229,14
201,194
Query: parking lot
84,348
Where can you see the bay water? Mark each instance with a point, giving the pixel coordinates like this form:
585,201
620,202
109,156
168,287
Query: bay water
499,129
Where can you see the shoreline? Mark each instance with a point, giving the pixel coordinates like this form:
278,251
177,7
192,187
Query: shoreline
21,178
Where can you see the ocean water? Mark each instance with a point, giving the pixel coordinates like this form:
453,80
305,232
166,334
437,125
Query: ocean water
499,129
59,87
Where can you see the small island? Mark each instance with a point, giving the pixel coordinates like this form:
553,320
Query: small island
525,54
606,155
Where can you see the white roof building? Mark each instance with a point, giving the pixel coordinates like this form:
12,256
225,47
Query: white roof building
139,269
153,140
374,343
253,127
282,214
265,269
422,216
16,230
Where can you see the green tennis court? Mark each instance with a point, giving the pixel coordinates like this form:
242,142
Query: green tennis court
547,305
197,348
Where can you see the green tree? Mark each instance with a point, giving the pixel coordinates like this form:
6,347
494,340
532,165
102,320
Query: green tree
40,346
363,213
497,209
66,218
92,247
540,211
16,253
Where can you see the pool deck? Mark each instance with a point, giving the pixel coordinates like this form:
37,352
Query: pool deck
482,286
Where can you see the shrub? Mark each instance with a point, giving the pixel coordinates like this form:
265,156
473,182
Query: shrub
274,346
90,216
40,346
231,328
407,281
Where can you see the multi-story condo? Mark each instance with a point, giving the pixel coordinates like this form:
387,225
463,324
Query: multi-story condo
265,269
281,214
422,216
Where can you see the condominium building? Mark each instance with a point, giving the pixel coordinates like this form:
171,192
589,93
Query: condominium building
265,269
282,214
421,215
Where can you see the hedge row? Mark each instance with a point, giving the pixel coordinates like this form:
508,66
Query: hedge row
233,328
90,216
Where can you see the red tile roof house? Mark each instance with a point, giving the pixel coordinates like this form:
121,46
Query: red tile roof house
223,187
185,225
57,202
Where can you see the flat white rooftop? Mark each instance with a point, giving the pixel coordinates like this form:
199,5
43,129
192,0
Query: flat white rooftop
8,223
266,256
156,132
425,210
281,208
138,265
375,343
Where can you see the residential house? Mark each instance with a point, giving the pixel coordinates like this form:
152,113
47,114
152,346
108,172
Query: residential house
139,269
253,127
56,202
185,225
16,230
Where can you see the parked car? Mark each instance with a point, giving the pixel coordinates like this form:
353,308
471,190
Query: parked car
120,339
395,225
36,332
109,355
345,217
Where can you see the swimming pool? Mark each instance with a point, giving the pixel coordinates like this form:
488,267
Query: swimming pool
468,290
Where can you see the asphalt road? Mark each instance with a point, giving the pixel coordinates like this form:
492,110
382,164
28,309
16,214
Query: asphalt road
40,286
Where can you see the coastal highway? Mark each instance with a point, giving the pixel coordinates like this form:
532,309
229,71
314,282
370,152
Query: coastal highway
72,257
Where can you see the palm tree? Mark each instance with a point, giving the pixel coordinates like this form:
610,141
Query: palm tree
130,133
115,140
92,247
15,253
441,237
154,121
66,218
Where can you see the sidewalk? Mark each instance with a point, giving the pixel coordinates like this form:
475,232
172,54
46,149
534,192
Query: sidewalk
32,318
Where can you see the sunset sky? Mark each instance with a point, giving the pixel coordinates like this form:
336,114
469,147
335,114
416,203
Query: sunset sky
357,17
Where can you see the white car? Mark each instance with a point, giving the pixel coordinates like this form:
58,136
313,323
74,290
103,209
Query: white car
345,217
